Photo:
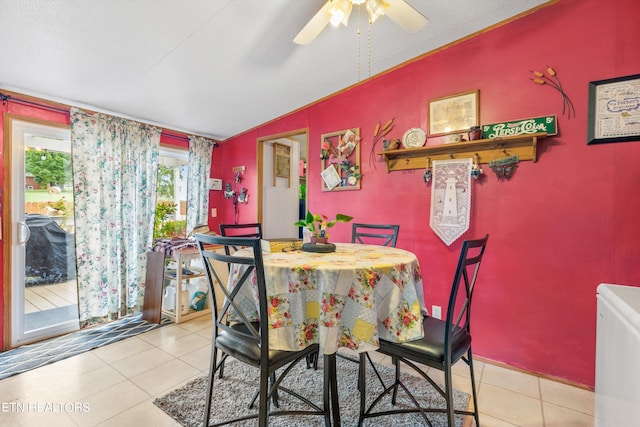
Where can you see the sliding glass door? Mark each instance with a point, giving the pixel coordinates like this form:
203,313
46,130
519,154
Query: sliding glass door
44,296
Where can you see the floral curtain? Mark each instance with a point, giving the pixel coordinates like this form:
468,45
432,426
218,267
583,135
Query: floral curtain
115,166
200,150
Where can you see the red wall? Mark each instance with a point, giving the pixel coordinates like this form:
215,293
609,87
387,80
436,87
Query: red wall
558,228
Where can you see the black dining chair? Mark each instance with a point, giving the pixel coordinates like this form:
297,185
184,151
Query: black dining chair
240,230
237,335
237,230
377,234
445,342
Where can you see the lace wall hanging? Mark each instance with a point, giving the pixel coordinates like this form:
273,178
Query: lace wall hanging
451,198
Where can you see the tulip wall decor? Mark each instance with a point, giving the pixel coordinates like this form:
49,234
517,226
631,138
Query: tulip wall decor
552,80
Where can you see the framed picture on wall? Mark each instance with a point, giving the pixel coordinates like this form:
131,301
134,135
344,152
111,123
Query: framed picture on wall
340,160
614,110
281,163
453,114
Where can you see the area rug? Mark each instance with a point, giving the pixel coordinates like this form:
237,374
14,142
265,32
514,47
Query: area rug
233,392
33,356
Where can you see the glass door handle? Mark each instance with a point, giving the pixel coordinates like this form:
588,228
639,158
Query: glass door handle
23,233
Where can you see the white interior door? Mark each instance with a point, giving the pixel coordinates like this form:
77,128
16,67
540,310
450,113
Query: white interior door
44,297
281,195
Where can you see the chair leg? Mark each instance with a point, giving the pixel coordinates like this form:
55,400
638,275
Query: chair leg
275,392
274,396
362,381
448,387
312,361
396,363
473,388
330,369
326,395
263,409
309,359
212,374
221,365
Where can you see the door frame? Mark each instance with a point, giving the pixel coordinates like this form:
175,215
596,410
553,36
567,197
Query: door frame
7,217
260,162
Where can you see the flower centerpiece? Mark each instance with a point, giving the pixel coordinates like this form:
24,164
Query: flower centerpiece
317,225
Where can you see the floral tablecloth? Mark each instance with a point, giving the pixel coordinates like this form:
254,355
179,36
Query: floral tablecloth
348,298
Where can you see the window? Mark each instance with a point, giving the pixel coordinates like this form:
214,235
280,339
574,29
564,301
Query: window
171,200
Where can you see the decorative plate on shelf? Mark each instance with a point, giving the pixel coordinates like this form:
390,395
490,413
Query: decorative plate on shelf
414,138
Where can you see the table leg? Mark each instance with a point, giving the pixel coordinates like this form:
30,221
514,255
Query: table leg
331,377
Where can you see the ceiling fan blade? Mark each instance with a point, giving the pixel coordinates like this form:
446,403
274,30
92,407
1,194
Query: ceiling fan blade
314,26
405,16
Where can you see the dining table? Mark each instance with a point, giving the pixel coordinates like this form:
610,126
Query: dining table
349,298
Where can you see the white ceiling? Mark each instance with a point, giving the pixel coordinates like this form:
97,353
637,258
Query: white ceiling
210,67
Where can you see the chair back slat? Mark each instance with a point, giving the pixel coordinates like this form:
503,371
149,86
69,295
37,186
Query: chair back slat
380,234
228,311
445,342
240,230
459,307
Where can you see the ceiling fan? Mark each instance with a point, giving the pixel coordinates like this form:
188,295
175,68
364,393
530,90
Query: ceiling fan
337,12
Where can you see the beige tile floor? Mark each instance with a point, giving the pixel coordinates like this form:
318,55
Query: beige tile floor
115,386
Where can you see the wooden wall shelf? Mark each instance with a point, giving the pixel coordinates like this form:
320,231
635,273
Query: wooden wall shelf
524,146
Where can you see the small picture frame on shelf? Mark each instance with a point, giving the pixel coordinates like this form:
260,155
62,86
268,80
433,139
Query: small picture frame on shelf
453,114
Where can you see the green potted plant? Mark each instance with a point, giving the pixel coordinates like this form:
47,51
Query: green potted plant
317,225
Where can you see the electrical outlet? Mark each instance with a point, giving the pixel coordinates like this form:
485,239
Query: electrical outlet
214,212
436,311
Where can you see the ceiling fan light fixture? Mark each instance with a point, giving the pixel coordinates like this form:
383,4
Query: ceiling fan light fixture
340,13
375,9
337,12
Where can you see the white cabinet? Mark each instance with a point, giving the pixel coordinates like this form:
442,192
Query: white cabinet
617,396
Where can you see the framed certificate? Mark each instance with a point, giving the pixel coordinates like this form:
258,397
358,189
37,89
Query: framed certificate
453,114
614,110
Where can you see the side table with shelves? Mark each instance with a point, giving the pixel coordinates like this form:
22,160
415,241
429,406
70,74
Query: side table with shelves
167,287
179,273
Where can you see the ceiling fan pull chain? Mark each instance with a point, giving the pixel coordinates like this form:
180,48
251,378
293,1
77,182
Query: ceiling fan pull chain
358,40
369,47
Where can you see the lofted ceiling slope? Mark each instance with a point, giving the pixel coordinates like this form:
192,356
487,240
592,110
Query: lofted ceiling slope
210,67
